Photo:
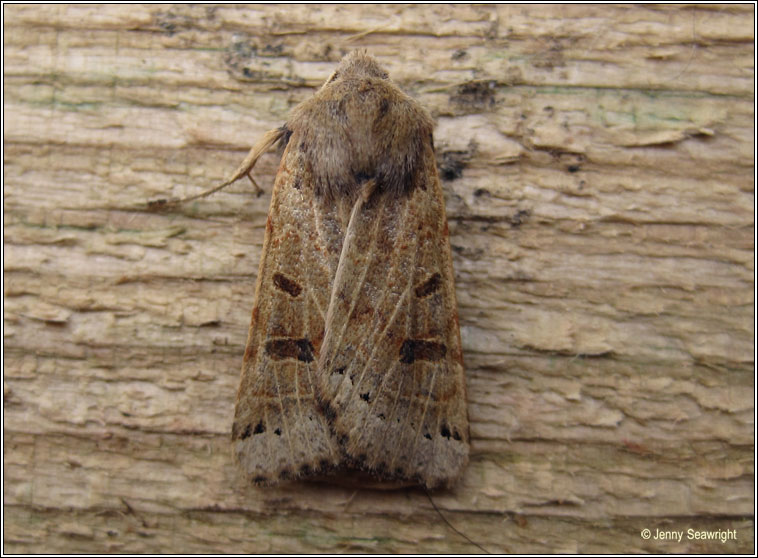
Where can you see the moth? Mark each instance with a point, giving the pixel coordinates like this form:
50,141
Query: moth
353,361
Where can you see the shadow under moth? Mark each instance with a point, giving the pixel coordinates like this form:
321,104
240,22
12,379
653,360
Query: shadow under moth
353,363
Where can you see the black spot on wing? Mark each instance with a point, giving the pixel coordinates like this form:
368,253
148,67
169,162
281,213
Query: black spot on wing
287,285
300,349
430,286
329,413
420,349
246,433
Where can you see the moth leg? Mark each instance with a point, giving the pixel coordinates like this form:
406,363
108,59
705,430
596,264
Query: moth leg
258,189
264,144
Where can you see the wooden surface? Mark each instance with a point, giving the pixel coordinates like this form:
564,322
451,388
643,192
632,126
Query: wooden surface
599,184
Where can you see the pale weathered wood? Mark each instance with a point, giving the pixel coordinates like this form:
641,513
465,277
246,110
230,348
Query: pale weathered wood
599,165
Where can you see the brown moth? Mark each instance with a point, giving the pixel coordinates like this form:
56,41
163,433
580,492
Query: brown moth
353,359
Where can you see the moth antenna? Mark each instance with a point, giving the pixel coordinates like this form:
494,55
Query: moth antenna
348,211
368,188
264,144
450,525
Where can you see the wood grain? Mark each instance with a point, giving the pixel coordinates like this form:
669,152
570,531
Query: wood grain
598,164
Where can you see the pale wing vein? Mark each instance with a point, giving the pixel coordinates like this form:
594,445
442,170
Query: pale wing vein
340,267
372,341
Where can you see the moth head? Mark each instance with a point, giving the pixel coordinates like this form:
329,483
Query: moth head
358,64
359,126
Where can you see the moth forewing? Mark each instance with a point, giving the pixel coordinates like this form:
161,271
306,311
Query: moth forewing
390,370
279,431
353,359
